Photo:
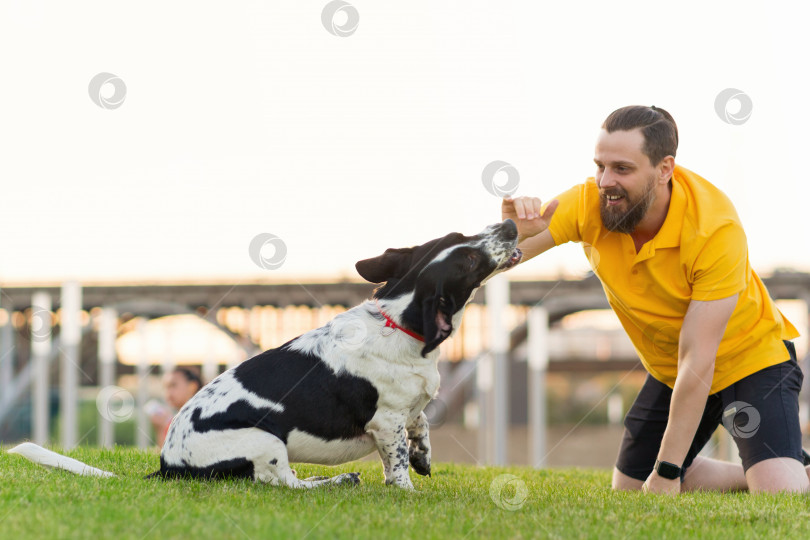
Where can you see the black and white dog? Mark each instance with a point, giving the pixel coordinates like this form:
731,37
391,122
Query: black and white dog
358,384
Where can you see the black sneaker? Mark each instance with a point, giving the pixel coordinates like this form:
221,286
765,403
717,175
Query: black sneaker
806,457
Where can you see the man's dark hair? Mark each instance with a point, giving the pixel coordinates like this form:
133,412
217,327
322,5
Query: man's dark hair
656,124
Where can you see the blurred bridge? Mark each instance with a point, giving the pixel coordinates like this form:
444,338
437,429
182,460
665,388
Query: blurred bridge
560,297
90,317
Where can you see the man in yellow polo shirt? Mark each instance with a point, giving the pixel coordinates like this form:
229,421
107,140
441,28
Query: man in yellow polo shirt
672,257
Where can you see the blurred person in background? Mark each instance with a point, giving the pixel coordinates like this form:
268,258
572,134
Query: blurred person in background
180,384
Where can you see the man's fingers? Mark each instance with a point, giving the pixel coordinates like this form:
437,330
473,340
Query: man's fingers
507,207
528,208
520,208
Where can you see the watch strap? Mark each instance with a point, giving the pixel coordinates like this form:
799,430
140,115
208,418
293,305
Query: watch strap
667,470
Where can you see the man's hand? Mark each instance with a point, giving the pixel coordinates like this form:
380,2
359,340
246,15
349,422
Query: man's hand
525,212
658,484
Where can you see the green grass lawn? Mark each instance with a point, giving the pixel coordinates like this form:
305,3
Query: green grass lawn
457,502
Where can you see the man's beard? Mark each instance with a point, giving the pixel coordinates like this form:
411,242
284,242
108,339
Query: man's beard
616,220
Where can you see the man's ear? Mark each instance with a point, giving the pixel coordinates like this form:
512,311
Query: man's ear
437,319
394,263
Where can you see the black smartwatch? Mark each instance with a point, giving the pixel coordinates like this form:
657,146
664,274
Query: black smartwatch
667,470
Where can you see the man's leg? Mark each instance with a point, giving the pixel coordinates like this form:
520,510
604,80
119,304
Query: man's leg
764,476
708,474
713,475
778,474
761,412
704,474
645,424
625,483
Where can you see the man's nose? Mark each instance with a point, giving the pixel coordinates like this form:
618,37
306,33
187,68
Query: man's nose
605,181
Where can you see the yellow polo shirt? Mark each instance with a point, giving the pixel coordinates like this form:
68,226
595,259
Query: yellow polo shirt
699,253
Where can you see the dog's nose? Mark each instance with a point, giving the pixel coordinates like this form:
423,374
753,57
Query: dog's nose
509,229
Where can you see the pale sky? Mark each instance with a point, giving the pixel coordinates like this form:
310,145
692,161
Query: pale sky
243,118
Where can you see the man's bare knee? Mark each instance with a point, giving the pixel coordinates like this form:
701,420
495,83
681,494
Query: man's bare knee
778,475
622,482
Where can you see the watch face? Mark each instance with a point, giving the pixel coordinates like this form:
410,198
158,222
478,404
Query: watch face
667,470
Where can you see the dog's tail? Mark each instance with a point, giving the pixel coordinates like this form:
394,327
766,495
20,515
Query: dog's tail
46,458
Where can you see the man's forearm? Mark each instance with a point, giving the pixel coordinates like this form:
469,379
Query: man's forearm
688,402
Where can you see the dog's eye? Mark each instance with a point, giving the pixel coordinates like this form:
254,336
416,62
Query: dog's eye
471,260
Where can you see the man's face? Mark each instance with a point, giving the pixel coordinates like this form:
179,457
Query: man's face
626,179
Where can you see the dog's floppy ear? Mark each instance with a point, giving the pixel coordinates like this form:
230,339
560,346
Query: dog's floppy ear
394,263
437,319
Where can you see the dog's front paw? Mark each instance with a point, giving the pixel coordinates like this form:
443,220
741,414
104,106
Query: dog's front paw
403,482
419,457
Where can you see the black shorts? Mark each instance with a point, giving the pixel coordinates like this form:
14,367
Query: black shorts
760,411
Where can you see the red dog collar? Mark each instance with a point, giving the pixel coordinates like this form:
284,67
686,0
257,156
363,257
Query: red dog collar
389,323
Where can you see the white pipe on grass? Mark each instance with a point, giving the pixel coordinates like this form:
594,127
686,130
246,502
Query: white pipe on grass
46,458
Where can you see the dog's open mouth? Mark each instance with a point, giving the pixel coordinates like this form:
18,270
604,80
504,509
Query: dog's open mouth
513,260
